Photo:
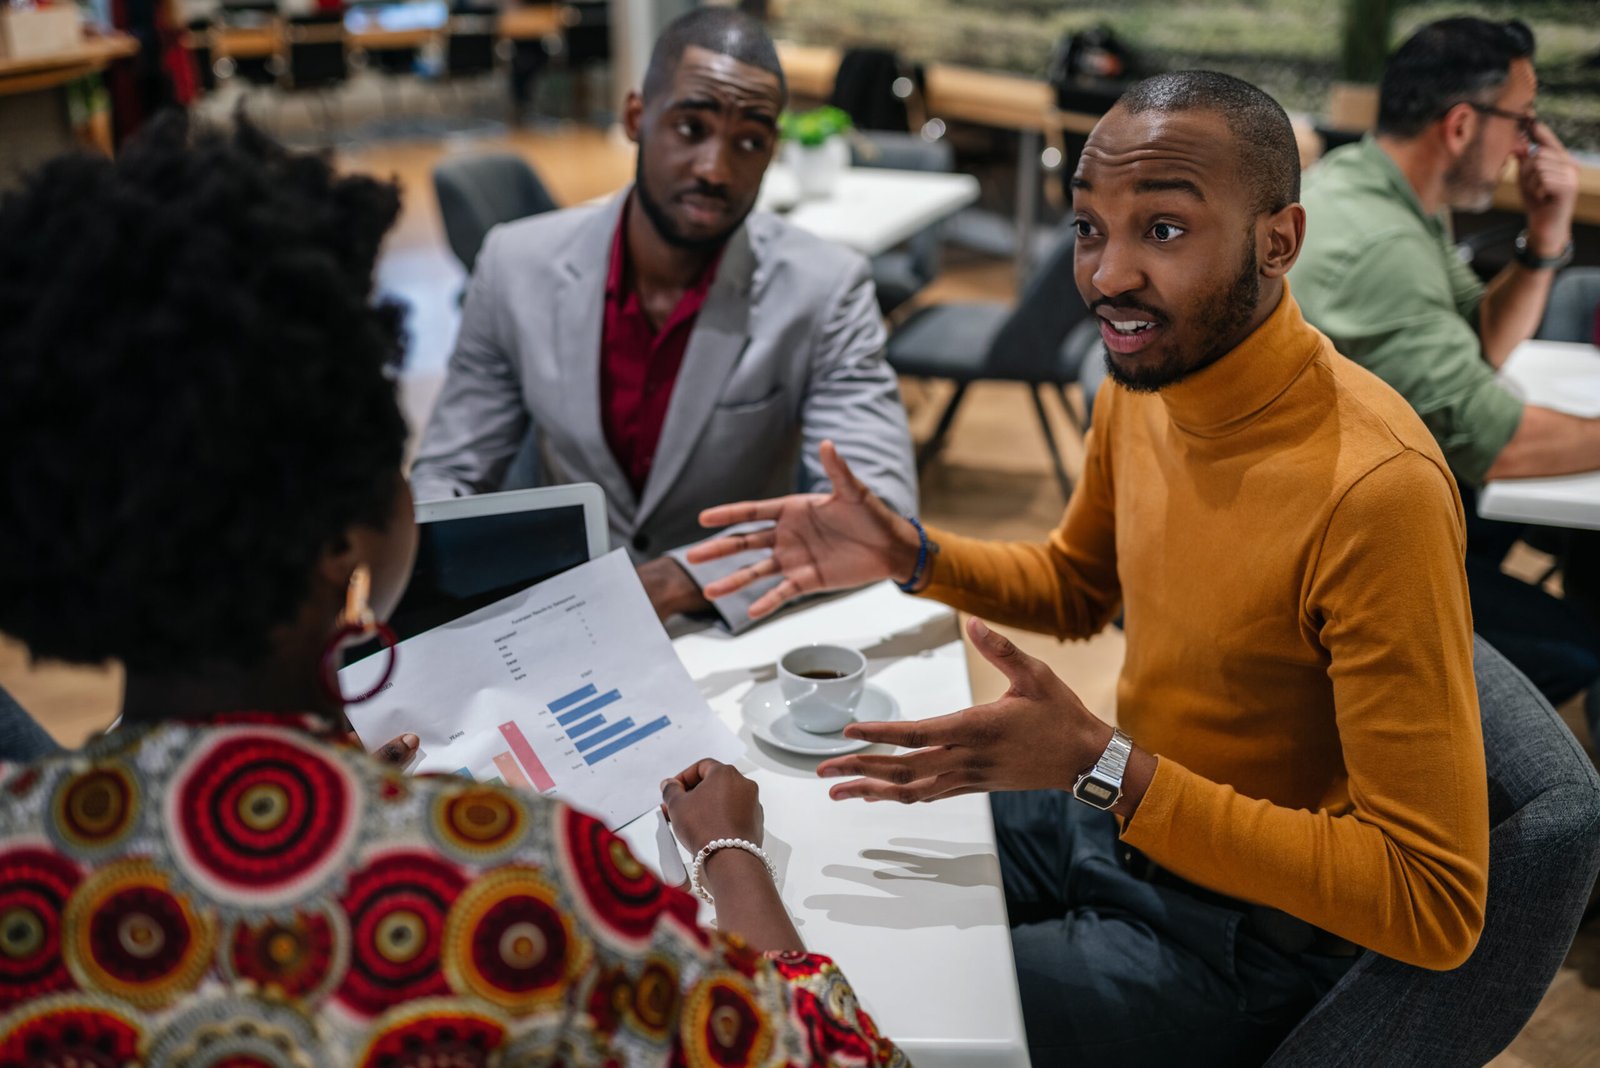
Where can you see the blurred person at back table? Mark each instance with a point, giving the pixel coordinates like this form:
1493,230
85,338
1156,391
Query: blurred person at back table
1300,769
200,453
672,345
1381,277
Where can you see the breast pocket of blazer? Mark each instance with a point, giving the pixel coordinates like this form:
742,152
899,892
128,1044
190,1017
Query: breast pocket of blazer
750,424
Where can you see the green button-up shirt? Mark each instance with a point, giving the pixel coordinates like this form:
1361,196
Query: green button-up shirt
1381,278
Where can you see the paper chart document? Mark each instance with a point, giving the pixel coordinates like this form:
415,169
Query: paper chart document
570,688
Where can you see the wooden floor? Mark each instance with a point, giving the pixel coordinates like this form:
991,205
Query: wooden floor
993,480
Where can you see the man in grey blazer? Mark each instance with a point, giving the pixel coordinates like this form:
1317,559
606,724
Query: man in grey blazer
669,345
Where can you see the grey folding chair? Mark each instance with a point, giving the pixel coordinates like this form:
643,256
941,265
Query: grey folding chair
1574,298
477,193
901,273
1544,854
987,341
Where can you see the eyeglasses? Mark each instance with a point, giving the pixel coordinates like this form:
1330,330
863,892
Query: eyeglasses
1526,121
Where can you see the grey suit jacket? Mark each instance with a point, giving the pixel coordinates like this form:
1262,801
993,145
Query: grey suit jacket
787,351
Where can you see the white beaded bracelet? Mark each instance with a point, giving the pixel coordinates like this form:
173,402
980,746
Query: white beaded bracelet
711,847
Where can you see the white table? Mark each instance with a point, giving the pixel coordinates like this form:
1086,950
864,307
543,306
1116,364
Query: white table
1565,377
872,209
906,899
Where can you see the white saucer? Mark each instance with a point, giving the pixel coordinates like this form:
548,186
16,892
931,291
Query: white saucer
768,715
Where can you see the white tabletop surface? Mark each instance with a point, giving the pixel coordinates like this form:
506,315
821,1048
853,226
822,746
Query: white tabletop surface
871,209
1565,377
906,899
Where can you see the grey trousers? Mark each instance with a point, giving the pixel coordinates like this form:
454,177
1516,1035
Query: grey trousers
1113,966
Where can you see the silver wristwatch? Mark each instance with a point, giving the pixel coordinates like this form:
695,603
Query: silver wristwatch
1101,785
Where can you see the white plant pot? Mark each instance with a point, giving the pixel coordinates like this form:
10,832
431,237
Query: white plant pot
817,167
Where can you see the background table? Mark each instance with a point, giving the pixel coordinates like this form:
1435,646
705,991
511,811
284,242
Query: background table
1565,377
872,209
906,898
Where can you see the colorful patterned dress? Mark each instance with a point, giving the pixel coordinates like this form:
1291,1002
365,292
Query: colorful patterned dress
252,891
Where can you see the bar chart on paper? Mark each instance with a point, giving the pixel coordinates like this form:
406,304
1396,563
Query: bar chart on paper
569,688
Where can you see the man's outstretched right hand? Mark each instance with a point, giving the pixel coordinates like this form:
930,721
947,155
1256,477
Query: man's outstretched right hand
819,541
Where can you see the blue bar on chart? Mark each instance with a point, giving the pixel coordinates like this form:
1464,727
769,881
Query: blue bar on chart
626,740
587,709
626,723
571,699
579,729
464,773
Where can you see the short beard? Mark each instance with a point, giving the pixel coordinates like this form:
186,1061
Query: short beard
1233,310
663,222
1465,187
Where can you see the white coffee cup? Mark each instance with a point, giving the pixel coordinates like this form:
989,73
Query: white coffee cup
822,685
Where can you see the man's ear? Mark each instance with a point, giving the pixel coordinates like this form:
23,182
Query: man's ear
1282,234
633,115
1457,129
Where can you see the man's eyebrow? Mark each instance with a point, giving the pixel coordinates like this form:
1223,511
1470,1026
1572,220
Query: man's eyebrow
755,113
762,115
1169,185
1080,183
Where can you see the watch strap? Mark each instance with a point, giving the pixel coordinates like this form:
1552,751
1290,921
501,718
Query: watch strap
1526,257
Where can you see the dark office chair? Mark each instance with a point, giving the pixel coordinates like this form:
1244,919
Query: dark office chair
985,341
315,61
901,273
1574,304
477,193
875,86
1544,854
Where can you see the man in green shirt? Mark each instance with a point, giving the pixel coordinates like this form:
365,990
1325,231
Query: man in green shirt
1380,276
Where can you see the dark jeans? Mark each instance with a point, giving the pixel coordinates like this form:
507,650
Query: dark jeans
1113,966
22,741
1554,641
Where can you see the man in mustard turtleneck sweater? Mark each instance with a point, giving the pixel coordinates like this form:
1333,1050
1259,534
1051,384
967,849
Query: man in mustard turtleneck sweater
1303,771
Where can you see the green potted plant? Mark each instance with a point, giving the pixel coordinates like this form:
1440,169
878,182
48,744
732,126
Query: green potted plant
816,148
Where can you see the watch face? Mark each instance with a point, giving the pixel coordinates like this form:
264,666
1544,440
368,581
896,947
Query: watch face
1096,792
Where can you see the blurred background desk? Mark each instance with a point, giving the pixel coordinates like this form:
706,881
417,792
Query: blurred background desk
1565,377
36,119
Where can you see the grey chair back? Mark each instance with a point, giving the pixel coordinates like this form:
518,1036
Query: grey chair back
1028,347
477,193
1570,314
1544,854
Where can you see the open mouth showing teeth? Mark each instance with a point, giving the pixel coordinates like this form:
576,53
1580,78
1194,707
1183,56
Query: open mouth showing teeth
1130,327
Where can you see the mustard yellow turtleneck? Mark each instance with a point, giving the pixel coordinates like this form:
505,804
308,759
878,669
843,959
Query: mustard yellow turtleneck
1286,545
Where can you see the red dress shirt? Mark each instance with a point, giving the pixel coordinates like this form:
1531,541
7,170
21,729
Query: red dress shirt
638,365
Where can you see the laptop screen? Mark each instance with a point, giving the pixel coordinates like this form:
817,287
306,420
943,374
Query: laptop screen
467,562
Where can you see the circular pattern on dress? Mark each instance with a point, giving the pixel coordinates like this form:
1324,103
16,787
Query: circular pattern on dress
396,907
655,999
724,1026
508,942
259,819
236,1032
434,1032
95,809
67,1030
478,823
129,935
35,885
301,957
619,896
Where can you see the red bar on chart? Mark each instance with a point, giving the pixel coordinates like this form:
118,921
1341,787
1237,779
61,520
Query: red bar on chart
513,774
527,757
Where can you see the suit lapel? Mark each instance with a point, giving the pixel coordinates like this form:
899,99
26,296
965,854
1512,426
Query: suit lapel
579,320
721,332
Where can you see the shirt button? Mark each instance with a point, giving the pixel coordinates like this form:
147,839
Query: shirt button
641,542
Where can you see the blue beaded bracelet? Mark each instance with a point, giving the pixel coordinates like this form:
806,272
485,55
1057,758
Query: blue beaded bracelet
910,586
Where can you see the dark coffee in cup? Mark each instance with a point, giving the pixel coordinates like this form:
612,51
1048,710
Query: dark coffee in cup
821,674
